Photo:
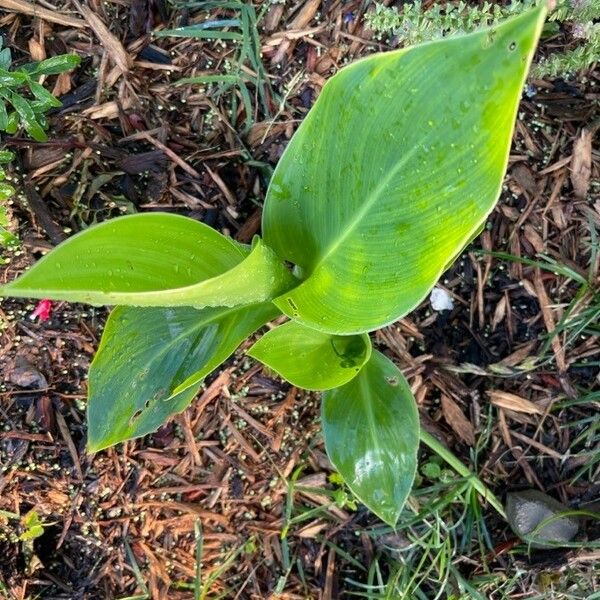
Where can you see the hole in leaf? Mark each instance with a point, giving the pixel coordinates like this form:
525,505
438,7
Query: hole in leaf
512,46
135,416
392,380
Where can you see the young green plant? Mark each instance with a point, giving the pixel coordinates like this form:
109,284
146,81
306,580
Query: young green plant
391,174
23,99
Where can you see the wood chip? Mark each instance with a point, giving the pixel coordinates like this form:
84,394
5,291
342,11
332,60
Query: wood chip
557,348
581,164
513,402
113,46
306,15
457,420
30,8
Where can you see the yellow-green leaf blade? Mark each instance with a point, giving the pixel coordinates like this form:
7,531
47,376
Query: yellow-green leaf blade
394,169
371,430
154,260
311,359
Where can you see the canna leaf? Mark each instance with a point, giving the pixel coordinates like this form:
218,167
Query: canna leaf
311,359
371,430
154,259
394,169
146,354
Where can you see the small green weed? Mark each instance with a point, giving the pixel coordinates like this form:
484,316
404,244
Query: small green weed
23,99
7,239
244,68
413,25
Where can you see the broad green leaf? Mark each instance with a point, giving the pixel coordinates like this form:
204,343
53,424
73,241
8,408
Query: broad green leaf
393,170
311,359
371,430
147,357
154,260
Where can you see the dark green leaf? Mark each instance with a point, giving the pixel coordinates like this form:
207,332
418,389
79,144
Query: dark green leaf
151,363
311,359
396,166
13,122
55,65
44,96
371,430
28,118
3,115
12,78
5,59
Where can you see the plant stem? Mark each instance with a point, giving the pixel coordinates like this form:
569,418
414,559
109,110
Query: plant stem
461,469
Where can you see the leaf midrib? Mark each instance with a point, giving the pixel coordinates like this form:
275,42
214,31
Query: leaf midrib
372,199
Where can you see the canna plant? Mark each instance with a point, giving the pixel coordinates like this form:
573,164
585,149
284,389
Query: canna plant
392,173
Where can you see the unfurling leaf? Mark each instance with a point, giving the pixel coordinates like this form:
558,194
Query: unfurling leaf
154,259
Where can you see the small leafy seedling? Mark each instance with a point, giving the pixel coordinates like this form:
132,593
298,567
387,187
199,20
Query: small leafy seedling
392,173
23,99
6,192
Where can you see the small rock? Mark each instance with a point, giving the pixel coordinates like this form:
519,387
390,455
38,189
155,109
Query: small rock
441,299
26,375
526,510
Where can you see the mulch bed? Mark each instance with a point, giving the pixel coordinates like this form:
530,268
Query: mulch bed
127,139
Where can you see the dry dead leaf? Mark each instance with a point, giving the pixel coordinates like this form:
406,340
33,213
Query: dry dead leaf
581,163
524,178
457,420
534,238
513,402
107,39
499,313
36,50
35,10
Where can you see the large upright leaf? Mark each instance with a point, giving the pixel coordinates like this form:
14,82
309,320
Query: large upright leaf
371,429
154,259
311,359
151,363
394,169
